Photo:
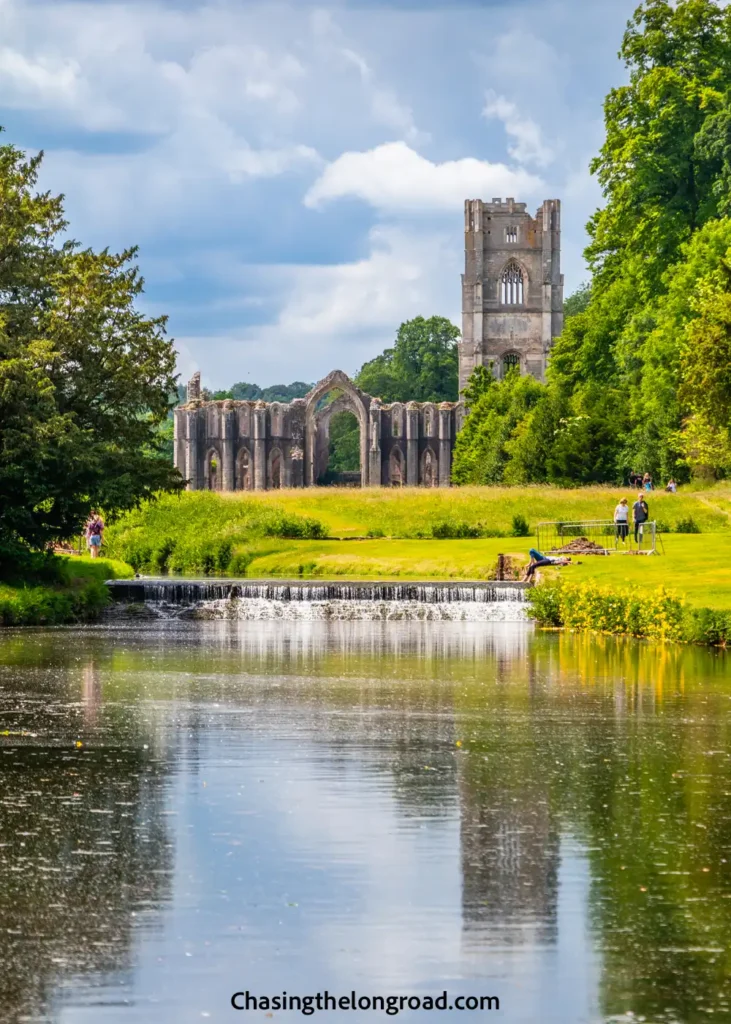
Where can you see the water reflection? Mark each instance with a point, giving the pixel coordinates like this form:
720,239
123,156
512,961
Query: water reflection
391,807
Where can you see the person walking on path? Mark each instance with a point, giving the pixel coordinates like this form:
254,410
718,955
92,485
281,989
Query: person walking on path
94,534
621,519
640,515
647,482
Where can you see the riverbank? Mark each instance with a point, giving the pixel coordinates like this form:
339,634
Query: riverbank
62,591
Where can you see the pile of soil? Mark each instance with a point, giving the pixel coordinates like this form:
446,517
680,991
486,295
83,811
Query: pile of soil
582,546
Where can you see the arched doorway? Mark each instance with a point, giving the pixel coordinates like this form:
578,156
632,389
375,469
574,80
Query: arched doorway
212,470
429,468
274,481
396,467
244,476
334,395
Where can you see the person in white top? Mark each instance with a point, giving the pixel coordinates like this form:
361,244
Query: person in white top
621,519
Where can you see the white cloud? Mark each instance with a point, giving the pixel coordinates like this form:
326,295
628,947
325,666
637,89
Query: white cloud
337,316
528,146
395,177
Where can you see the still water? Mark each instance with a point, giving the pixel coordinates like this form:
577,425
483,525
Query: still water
189,810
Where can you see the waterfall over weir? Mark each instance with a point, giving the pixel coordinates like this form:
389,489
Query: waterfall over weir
267,599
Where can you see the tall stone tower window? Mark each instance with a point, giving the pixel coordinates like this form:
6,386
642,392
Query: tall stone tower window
511,234
511,285
510,361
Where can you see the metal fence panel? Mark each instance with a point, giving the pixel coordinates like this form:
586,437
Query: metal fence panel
598,536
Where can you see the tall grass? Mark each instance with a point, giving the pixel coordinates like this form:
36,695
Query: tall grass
422,513
202,532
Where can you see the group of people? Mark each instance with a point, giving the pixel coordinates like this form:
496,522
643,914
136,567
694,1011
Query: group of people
640,515
646,483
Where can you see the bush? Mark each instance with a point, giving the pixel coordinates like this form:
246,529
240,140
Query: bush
454,531
688,525
655,614
520,526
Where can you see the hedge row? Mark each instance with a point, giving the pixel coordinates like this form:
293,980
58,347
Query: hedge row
659,614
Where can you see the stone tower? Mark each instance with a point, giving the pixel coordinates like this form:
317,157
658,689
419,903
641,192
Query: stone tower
512,287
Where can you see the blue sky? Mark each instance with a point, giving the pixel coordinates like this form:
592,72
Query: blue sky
294,173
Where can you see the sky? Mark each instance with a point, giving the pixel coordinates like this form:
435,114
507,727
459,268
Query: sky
294,174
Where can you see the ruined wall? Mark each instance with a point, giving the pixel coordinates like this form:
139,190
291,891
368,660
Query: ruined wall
266,445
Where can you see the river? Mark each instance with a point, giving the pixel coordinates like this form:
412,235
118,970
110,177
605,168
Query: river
194,809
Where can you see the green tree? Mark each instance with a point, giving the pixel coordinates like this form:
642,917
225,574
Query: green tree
495,410
422,366
85,379
578,301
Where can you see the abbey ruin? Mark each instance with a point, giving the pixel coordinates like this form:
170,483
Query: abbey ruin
512,309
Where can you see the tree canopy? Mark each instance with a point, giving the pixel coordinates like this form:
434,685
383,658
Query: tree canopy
85,378
422,366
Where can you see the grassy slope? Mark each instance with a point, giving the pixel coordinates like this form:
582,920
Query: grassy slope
406,512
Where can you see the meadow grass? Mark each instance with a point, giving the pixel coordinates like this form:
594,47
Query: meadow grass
416,512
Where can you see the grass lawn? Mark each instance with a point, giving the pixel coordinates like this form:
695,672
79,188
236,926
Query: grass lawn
699,567
387,559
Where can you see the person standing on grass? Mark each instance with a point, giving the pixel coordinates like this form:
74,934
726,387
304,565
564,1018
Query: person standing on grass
621,519
640,514
94,534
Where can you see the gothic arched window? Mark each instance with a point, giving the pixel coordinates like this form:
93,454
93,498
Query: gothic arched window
511,361
511,285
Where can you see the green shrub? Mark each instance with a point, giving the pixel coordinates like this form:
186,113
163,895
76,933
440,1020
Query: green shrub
374,533
520,526
663,526
688,525
240,562
454,530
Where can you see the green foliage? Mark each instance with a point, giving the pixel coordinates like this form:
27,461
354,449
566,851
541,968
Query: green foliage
44,589
199,531
344,443
688,525
85,379
657,614
496,408
244,392
421,367
578,301
520,527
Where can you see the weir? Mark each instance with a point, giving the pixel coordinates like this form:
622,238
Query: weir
296,599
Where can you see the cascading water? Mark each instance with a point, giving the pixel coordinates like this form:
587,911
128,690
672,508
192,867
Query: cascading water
262,600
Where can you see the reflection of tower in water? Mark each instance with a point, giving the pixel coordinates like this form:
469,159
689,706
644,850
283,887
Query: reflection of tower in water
509,839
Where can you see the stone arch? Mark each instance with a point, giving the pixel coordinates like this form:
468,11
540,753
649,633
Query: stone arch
213,470
397,420
276,420
275,469
396,467
430,420
429,470
244,471
354,401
